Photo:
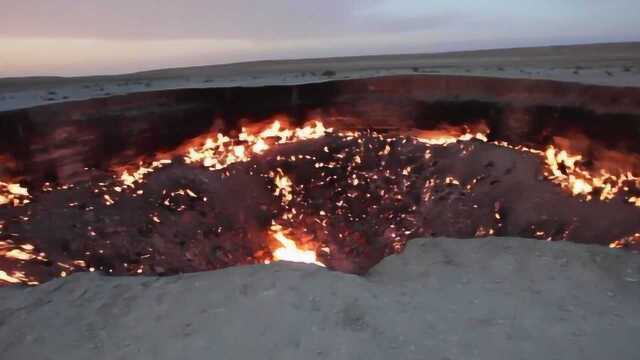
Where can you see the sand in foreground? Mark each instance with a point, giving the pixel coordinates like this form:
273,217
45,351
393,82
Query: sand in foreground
493,298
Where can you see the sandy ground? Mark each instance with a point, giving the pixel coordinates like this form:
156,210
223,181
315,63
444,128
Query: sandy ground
604,64
494,298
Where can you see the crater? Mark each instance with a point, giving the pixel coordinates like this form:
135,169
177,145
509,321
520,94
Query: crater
340,174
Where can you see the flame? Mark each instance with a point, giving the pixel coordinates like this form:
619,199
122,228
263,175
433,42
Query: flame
137,176
14,194
17,277
20,252
217,151
565,170
108,200
289,251
284,187
23,252
446,135
626,241
222,151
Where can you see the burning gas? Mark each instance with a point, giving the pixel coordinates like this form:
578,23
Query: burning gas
137,176
565,170
287,249
327,203
24,252
223,151
451,134
13,194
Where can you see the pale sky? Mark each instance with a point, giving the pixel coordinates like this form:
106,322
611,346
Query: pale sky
84,37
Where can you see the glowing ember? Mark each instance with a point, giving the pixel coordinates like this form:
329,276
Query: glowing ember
108,200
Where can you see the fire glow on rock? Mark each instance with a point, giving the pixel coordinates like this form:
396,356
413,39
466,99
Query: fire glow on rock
324,197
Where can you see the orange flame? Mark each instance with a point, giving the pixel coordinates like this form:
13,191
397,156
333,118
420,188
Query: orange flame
626,241
17,277
20,252
289,251
451,134
137,176
565,170
222,151
14,194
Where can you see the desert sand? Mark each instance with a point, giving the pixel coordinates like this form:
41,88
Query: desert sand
492,298
602,64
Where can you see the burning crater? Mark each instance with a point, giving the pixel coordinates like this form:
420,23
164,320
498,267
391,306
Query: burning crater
336,191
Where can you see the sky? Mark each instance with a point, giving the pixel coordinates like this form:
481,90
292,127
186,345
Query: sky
88,37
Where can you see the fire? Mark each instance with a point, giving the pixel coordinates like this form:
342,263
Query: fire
451,134
137,176
222,151
626,241
565,170
108,200
23,252
284,187
15,252
14,194
289,251
17,277
346,170
19,254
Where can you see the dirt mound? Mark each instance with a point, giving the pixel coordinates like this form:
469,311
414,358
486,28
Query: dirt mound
441,299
